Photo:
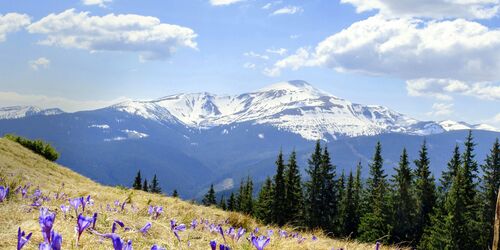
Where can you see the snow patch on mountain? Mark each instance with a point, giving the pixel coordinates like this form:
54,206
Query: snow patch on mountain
449,125
101,126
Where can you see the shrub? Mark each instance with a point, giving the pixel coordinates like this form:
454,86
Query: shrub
38,146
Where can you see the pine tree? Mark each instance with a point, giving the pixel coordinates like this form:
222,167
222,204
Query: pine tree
294,212
425,192
403,201
231,203
375,222
329,195
490,185
448,175
341,211
240,197
263,207
313,188
279,192
222,203
137,181
145,186
209,198
357,200
247,201
175,194
155,186
349,210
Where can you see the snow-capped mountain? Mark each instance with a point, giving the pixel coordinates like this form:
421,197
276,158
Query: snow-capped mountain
293,106
16,112
449,125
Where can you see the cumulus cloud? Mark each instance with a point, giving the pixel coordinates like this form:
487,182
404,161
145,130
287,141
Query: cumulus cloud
12,22
456,53
437,9
288,10
224,2
100,3
42,101
441,109
145,35
40,63
444,88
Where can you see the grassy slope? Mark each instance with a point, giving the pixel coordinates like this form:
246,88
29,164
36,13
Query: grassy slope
20,166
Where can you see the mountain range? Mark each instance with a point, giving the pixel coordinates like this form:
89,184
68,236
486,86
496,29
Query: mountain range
192,140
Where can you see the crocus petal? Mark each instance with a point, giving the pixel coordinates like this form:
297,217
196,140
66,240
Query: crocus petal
213,244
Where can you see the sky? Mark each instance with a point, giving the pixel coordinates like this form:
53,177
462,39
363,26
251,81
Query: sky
430,59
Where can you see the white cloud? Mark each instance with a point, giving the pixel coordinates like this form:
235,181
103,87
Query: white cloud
444,88
12,22
408,49
145,35
101,3
41,62
42,101
441,109
249,65
288,10
496,118
301,58
271,4
437,9
280,51
224,2
256,55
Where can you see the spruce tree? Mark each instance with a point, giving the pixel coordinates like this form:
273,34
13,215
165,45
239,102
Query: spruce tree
231,203
137,181
175,194
341,196
313,188
357,200
403,201
247,205
209,198
145,186
490,185
349,210
375,222
155,186
452,169
329,195
222,203
279,192
425,192
240,197
263,206
294,202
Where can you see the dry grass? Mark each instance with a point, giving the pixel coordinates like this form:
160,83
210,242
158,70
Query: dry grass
20,166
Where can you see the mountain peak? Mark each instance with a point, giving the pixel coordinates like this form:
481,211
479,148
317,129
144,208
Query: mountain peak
15,112
294,85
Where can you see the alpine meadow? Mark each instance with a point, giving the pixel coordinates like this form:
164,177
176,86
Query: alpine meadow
250,124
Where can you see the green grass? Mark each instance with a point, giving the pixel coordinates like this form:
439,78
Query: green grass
19,165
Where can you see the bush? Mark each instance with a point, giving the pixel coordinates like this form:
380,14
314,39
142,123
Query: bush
38,146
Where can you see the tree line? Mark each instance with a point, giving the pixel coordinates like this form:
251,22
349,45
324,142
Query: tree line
410,207
37,146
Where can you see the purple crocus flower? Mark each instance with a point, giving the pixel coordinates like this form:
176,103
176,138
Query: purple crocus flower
260,242
76,202
22,239
46,221
224,247
56,240
241,232
118,243
178,229
213,244
314,238
173,223
221,231
4,191
82,224
377,246
145,229
194,223
155,247
116,222
65,209
270,233
94,220
283,233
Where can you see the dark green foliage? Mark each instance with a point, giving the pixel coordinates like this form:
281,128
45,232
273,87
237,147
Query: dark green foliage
209,198
313,189
329,195
264,204
145,186
357,200
137,181
155,186
240,197
348,209
425,192
339,217
451,172
175,194
222,203
294,212
490,185
231,203
375,222
37,146
279,192
246,205
403,201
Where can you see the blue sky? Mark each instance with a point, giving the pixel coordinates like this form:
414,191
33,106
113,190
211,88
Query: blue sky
432,60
